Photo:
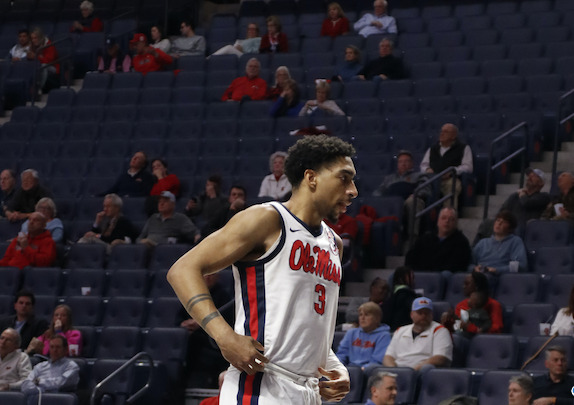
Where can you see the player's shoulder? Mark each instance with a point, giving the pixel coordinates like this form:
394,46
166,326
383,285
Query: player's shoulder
260,215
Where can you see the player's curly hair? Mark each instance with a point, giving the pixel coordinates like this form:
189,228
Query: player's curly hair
314,152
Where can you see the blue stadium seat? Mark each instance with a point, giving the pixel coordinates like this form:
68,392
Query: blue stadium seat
79,279
87,309
86,256
428,70
118,342
128,283
552,260
124,311
494,385
492,352
438,384
526,318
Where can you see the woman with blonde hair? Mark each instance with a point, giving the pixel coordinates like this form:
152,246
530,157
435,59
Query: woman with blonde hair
321,105
336,23
61,325
282,74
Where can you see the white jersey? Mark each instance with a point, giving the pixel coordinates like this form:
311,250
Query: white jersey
287,300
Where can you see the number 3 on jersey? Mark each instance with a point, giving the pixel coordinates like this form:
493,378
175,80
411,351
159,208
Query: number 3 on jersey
320,305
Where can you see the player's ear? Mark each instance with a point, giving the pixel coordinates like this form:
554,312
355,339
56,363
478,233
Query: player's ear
310,177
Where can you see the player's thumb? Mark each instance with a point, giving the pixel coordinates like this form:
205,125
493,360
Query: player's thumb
326,373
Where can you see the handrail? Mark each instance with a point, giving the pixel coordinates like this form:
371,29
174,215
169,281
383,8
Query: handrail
490,167
131,361
434,179
559,122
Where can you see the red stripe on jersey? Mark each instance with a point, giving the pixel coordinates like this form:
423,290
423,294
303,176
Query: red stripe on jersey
247,390
252,297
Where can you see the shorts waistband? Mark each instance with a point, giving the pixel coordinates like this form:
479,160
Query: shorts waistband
289,375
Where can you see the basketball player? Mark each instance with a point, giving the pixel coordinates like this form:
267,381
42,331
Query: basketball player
287,270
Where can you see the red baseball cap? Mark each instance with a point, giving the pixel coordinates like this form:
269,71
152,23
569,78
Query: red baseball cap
139,37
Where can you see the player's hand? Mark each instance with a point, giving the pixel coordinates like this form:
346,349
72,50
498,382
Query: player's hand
336,387
244,353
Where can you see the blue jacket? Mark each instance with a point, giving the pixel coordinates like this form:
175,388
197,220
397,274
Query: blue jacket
359,348
490,252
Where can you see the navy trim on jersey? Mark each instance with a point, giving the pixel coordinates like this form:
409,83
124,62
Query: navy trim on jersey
313,231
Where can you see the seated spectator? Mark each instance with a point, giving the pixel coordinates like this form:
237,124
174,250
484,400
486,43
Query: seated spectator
24,321
188,44
382,387
386,67
281,76
366,345
26,197
275,40
477,313
168,226
378,293
20,51
493,255
47,55
424,343
136,181
47,207
61,325
16,365
448,151
289,102
236,202
7,187
321,106
336,23
351,66
477,282
555,386
562,206
276,185
397,311
205,208
146,58
447,249
248,87
59,374
36,248
520,390
250,44
110,226
377,22
403,183
89,22
112,58
165,182
157,39
564,322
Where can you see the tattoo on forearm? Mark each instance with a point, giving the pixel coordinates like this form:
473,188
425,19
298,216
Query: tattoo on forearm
194,300
209,318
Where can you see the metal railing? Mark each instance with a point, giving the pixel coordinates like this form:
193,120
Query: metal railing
113,375
491,167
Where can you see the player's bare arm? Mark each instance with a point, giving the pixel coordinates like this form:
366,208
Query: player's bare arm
246,237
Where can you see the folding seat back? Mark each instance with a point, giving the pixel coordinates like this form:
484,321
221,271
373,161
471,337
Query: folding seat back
431,283
454,70
13,398
164,312
86,256
49,131
132,80
454,289
482,103
441,383
400,106
541,233
128,256
406,383
124,311
128,283
87,309
554,260
162,80
483,53
155,96
10,280
494,386
61,97
59,398
26,114
123,96
517,288
492,352
44,307
558,289
430,87
85,282
96,81
159,286
43,280
165,255
168,346
526,318
535,343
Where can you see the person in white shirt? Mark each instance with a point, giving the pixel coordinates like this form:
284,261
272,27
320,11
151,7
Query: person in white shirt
14,364
276,185
157,40
20,50
379,22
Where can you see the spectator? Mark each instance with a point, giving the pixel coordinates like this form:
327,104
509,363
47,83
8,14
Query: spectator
555,386
276,185
58,374
564,322
275,40
188,44
351,66
321,106
146,58
157,39
250,44
112,58
289,102
474,282
24,321
15,364
37,248
336,23
403,183
7,187
41,50
205,208
424,343
493,255
377,22
366,345
562,207
47,207
447,249
281,76
477,313
448,151
382,387
110,226
386,67
236,203
520,390
248,87
397,312
136,181
168,226
61,325
89,22
26,197
20,50
378,293
165,181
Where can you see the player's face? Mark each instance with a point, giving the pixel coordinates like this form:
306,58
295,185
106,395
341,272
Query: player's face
337,188
556,364
516,395
386,392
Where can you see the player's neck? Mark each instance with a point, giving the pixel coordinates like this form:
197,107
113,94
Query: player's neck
304,210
